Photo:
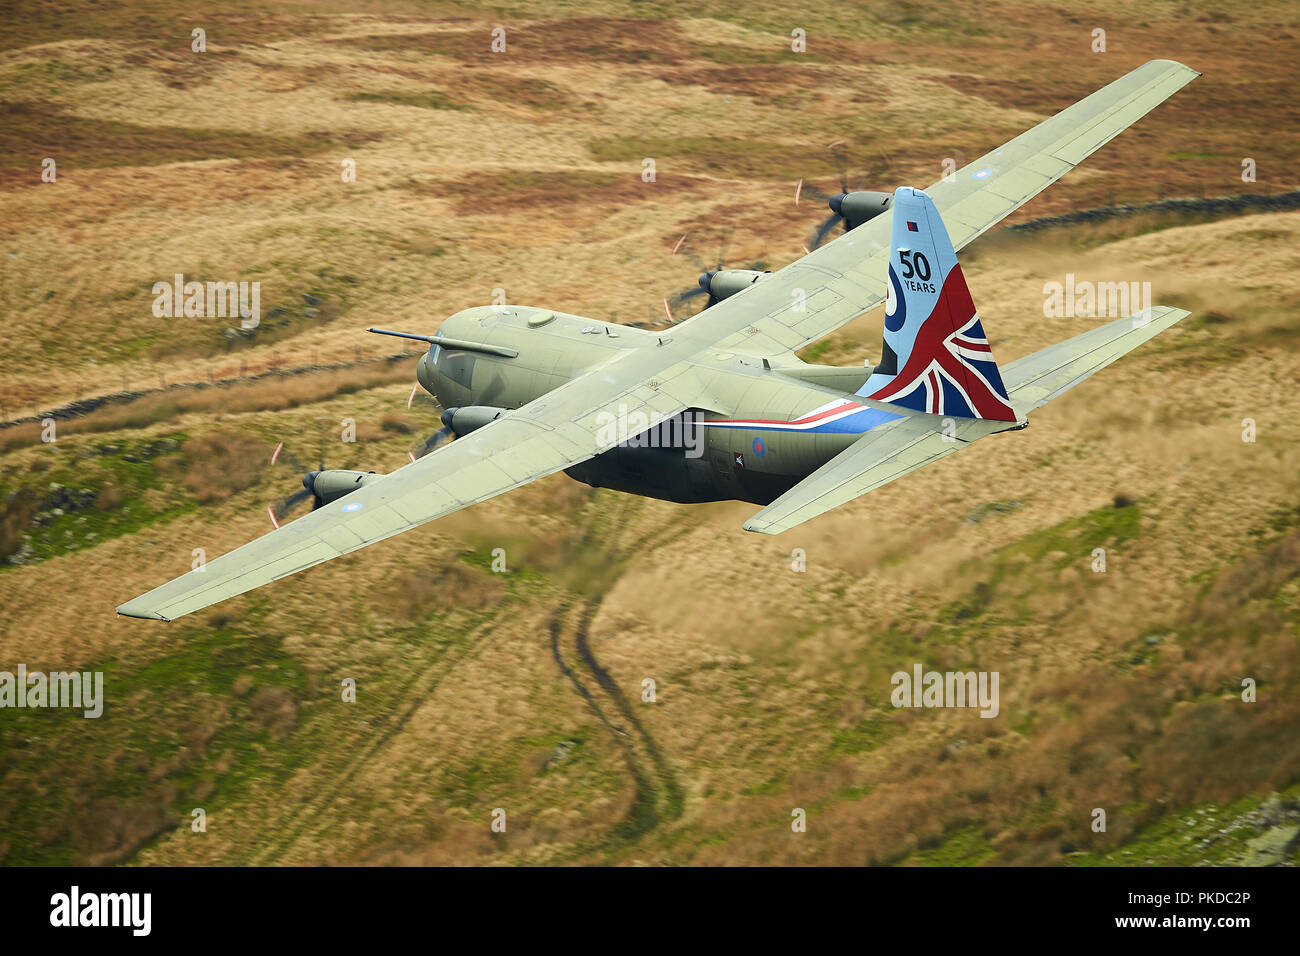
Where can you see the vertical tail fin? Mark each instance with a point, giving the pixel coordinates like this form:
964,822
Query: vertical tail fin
936,357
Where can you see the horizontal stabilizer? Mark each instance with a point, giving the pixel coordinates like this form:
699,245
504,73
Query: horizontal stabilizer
896,448
875,459
1036,379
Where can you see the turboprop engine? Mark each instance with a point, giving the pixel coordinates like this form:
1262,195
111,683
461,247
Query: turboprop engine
722,283
851,209
333,484
855,208
462,421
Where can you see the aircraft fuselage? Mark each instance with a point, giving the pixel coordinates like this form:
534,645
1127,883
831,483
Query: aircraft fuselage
773,426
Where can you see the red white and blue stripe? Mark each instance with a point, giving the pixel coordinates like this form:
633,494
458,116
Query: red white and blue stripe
842,416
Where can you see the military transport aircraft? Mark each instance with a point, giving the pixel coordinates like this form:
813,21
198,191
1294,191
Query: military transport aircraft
530,391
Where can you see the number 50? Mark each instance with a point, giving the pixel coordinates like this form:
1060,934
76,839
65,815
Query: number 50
914,264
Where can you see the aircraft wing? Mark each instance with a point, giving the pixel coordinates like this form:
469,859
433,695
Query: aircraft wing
814,296
560,429
886,452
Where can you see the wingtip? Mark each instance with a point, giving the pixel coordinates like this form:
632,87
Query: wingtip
1177,63
133,609
1169,315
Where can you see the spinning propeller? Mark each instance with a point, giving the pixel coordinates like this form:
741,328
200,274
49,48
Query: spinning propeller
851,207
716,282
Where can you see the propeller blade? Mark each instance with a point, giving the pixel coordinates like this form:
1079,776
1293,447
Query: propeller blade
433,441
695,261
837,150
288,504
825,228
671,305
723,246
681,297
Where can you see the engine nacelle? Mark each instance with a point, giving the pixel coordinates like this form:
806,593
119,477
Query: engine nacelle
721,283
462,421
328,486
859,207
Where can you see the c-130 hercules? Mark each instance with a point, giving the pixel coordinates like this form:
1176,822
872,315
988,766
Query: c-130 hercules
530,391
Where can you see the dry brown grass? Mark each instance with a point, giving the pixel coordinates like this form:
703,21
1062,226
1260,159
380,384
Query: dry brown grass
266,393
663,82
773,686
221,463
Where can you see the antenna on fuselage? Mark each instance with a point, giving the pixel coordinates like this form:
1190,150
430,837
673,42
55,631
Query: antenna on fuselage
451,343
404,335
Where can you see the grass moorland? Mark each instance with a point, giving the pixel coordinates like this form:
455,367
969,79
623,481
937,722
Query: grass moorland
523,691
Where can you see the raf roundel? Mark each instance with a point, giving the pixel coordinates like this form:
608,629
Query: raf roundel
895,304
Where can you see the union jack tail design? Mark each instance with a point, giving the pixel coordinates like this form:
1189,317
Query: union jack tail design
936,357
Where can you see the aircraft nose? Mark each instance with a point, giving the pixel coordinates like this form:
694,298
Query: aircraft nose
424,372
309,480
836,203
